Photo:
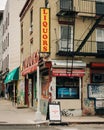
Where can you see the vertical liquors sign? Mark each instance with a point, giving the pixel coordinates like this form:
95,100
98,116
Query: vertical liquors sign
44,30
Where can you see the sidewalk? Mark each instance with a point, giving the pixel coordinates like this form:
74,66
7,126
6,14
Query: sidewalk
9,114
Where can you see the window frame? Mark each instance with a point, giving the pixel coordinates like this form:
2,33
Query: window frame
31,20
67,40
100,40
68,83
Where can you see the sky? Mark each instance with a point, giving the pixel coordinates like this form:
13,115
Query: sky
2,4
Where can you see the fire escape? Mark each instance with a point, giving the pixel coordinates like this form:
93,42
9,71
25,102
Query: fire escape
68,11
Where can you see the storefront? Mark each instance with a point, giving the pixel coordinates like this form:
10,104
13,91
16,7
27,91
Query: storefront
11,82
64,84
96,88
29,73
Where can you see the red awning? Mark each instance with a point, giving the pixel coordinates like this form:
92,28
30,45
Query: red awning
29,70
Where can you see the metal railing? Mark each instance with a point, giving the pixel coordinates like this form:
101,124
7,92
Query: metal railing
85,7
89,47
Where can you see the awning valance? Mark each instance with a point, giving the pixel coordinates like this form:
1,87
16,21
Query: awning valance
12,76
68,64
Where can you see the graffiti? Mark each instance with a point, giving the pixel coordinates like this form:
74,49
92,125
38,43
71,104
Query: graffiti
88,108
67,112
52,88
87,102
96,90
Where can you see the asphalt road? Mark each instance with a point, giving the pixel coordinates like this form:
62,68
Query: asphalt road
21,127
70,127
83,127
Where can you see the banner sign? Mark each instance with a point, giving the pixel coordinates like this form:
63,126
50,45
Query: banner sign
29,65
44,30
64,72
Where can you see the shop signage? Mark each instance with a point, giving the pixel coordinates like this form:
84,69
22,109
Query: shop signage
30,64
45,30
97,65
54,112
64,72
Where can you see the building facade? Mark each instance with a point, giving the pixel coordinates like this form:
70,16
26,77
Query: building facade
64,38
11,45
1,23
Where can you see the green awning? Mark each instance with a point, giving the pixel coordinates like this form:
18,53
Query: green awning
12,76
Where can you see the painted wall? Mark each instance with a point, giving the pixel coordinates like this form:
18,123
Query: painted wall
13,8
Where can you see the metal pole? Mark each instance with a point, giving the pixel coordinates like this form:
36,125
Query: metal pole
38,113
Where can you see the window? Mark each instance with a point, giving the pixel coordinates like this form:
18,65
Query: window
66,40
97,77
67,87
31,21
99,7
8,19
100,40
8,40
66,4
67,92
21,34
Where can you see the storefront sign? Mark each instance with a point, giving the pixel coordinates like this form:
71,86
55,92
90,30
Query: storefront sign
64,72
45,30
30,64
97,65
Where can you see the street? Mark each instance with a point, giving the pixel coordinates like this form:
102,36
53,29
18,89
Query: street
83,127
70,127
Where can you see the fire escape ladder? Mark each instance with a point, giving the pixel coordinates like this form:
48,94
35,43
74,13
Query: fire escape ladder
89,33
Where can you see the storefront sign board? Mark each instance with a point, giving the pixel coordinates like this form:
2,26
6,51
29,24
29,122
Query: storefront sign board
44,30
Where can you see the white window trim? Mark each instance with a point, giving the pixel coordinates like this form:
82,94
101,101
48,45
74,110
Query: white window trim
71,46
101,39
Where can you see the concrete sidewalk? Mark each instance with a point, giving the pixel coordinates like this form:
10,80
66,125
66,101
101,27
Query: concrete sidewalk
9,114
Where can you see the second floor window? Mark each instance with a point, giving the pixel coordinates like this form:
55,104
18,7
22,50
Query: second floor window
66,40
100,40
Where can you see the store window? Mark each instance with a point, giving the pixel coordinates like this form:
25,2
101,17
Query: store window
67,87
97,77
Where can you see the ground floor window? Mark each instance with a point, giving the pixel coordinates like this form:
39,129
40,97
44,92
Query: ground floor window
67,87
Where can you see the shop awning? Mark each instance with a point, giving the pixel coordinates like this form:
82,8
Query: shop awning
12,76
68,64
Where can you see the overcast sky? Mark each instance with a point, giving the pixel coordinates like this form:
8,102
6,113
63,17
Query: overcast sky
2,4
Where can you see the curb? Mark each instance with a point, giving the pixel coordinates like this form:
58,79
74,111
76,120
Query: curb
40,124
86,123
49,123
25,124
